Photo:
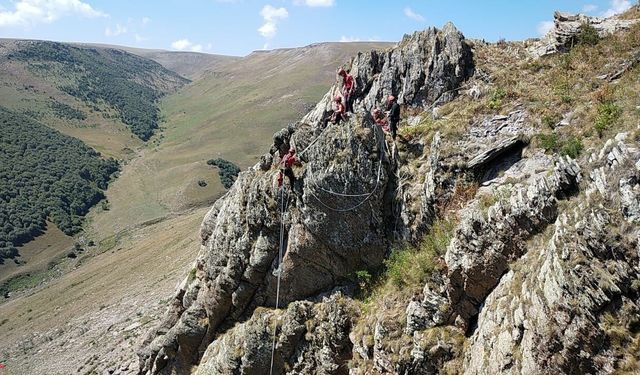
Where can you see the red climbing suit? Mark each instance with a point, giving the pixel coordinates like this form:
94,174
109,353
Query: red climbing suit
288,160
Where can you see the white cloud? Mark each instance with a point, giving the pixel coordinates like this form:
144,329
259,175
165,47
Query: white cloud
119,30
617,6
315,3
413,15
347,39
146,21
544,27
140,38
186,45
271,16
268,30
588,8
32,12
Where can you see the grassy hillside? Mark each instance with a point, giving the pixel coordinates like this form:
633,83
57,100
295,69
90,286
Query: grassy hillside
231,113
112,78
35,256
95,313
96,95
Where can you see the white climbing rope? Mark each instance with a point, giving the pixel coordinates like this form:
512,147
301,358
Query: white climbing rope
283,209
366,196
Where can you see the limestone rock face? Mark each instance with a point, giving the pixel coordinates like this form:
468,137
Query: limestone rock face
567,26
334,221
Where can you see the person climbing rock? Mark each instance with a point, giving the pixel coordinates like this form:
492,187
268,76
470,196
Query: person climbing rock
348,86
288,160
394,115
379,118
339,112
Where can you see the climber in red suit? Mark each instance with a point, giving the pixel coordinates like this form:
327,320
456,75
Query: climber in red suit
288,160
348,87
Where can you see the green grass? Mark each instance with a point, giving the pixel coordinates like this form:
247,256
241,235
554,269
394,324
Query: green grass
412,266
497,97
572,147
25,281
608,114
588,35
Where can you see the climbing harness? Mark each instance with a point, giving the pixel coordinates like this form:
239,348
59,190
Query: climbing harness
283,208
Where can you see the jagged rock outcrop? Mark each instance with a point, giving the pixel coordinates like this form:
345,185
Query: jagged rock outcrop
486,243
566,27
426,68
570,304
540,285
338,218
312,339
235,271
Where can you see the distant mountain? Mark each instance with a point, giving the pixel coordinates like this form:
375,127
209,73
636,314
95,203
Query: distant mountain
188,64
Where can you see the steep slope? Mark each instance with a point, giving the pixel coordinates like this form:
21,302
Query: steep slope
86,314
234,273
522,221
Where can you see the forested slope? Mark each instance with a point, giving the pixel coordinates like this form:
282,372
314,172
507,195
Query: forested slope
104,79
44,174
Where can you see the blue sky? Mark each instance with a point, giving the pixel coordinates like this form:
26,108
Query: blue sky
237,27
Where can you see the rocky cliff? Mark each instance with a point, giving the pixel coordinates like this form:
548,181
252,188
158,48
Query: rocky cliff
535,271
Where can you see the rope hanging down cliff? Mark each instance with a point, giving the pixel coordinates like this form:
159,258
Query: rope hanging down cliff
366,196
283,209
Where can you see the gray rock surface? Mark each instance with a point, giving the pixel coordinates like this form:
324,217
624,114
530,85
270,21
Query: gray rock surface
337,218
541,276
425,69
486,242
557,308
567,26
311,339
